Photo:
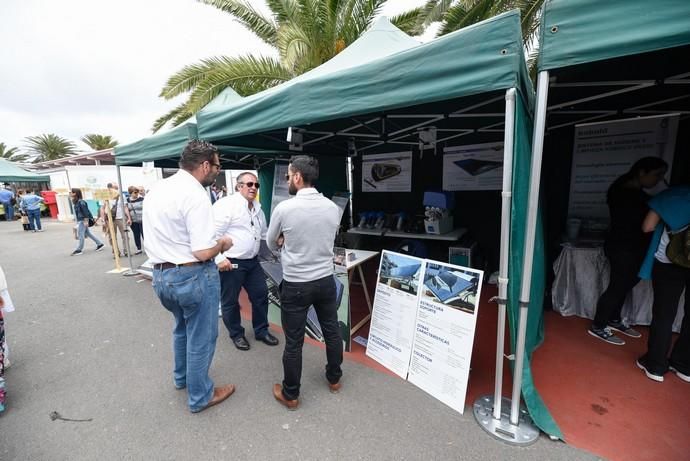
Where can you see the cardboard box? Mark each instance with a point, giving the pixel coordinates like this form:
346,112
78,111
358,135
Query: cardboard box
462,256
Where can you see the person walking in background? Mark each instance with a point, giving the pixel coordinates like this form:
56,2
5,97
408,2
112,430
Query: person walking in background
305,228
668,218
240,217
7,200
82,216
135,204
181,244
625,245
31,203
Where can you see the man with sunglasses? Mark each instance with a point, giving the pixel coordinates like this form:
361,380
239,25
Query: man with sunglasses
240,217
304,228
181,243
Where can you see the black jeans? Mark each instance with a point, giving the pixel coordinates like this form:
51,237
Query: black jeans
625,264
295,299
251,276
669,281
138,232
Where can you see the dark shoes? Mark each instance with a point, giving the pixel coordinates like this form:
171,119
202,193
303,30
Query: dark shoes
278,394
241,343
219,394
269,339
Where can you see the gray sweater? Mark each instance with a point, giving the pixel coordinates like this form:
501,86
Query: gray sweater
308,222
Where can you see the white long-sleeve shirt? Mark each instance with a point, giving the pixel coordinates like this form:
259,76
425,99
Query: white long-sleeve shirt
308,223
246,227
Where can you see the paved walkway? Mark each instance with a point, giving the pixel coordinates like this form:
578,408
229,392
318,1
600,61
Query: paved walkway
97,346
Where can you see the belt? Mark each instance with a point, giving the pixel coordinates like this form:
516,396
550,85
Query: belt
163,266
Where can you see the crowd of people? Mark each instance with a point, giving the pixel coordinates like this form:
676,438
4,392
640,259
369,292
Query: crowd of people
638,246
204,253
26,202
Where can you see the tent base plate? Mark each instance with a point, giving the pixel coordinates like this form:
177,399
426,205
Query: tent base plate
524,433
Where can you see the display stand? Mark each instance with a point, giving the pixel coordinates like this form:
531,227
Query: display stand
360,256
451,236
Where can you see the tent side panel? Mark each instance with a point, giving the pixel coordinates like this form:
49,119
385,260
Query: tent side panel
535,326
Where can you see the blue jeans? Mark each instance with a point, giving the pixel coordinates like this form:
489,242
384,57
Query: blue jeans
34,219
9,211
251,276
191,294
84,231
295,299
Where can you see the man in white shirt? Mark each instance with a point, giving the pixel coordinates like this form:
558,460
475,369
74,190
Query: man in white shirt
305,227
240,217
181,244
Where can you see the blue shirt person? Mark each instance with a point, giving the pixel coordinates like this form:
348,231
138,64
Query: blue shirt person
31,203
6,197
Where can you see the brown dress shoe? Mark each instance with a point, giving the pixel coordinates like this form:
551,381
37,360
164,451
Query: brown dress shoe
278,394
219,394
334,388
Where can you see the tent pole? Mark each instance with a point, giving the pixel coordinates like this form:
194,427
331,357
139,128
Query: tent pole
489,411
350,182
530,235
130,271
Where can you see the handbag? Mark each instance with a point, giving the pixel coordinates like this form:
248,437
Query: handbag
92,222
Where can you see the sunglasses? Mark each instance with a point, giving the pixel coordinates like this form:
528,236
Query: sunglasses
250,184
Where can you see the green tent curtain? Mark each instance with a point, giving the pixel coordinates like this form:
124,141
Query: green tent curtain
10,172
580,31
535,319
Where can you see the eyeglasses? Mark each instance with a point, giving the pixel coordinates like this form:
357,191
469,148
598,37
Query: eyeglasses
250,184
217,165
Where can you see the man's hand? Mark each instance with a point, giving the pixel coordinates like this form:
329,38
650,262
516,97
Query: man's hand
224,265
280,240
225,242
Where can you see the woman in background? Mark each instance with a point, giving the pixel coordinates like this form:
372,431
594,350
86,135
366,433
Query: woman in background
625,245
135,202
82,214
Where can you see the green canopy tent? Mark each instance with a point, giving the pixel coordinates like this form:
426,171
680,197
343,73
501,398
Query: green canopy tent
598,62
470,86
11,172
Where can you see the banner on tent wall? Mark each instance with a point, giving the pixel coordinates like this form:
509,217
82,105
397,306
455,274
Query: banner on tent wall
387,172
280,185
604,151
391,333
473,167
423,323
444,332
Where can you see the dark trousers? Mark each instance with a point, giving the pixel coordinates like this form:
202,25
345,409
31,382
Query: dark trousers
251,276
138,232
669,281
625,264
34,219
295,299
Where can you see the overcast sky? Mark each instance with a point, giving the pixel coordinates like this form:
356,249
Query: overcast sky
73,67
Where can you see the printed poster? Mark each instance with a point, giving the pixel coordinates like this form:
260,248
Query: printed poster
444,332
604,151
387,172
473,167
391,333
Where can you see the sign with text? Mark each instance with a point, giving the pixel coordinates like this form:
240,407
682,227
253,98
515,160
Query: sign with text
473,167
604,151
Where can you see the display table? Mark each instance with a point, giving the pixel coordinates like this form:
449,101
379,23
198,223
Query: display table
360,256
451,236
582,275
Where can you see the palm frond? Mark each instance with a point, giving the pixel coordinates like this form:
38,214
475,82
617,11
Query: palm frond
245,14
7,153
186,79
294,46
411,22
99,141
434,10
49,147
181,113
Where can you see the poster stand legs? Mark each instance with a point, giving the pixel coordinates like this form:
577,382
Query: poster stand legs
491,412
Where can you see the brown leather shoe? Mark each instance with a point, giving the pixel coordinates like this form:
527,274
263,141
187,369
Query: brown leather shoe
219,395
334,388
278,394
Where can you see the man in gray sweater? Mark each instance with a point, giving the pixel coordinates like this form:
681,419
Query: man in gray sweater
304,228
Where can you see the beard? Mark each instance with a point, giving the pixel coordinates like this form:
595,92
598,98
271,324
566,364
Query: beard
209,179
292,189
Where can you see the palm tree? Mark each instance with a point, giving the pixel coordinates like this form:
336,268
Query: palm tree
99,141
49,147
12,154
305,33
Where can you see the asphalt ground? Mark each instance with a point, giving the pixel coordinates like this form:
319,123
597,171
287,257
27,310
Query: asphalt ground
96,346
